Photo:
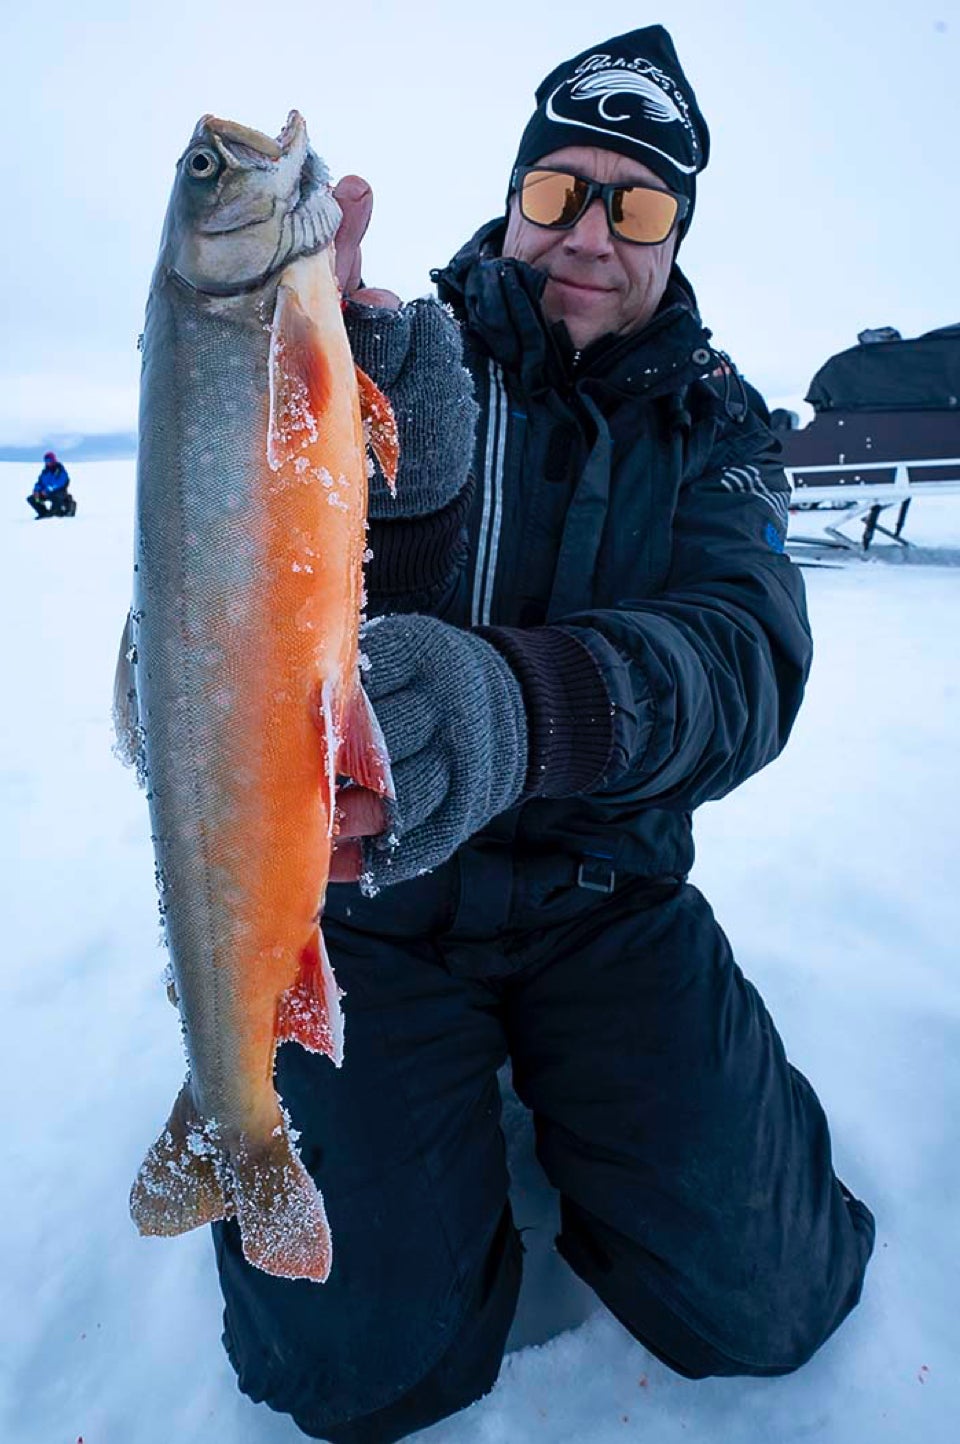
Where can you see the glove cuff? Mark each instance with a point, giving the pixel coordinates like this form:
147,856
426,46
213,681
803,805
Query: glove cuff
569,709
414,557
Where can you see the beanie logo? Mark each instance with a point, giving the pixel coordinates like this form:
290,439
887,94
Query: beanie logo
645,94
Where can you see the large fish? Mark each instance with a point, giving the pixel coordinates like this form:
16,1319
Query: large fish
238,693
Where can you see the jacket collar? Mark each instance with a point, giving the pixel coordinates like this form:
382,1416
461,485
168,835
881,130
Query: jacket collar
499,298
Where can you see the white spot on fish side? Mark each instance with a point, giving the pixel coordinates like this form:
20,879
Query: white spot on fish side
335,499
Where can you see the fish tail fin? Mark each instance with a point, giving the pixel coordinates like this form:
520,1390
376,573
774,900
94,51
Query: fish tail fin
283,1223
180,1184
363,755
189,1178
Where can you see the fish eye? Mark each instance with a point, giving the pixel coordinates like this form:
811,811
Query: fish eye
202,163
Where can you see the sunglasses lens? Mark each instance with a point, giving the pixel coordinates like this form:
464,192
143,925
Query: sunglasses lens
643,215
551,198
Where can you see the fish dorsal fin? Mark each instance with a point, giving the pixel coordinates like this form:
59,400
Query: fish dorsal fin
381,427
126,712
300,381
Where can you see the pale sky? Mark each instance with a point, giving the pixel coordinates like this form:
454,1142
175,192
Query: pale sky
830,202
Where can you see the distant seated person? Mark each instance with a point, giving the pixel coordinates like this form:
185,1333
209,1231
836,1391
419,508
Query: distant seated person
51,495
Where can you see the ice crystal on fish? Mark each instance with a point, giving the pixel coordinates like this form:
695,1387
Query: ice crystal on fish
203,1139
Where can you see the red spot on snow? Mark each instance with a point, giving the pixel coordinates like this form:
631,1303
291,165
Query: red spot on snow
644,1382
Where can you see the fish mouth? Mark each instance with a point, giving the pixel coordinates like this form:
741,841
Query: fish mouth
240,144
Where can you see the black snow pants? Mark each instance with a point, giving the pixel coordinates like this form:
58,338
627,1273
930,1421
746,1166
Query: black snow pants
698,1197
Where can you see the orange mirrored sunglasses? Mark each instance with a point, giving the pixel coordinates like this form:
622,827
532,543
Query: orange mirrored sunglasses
556,199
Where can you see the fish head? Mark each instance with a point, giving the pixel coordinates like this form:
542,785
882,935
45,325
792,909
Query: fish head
245,205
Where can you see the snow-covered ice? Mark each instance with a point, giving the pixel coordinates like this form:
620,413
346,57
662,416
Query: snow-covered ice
834,872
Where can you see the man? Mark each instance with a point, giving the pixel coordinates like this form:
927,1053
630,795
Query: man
577,636
51,492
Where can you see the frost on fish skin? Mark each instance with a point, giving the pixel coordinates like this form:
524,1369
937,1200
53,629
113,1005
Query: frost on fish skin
283,1222
192,1175
182,1182
293,424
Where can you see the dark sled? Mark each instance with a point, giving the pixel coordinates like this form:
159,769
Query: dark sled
886,432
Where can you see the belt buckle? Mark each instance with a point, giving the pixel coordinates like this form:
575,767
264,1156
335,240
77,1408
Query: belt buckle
596,873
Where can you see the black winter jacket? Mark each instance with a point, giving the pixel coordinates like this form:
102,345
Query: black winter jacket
622,545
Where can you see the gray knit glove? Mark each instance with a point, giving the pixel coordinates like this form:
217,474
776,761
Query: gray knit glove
455,726
415,356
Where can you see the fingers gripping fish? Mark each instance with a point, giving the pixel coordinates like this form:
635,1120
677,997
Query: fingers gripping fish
238,689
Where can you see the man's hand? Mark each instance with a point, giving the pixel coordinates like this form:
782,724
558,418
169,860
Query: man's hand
355,199
360,813
454,721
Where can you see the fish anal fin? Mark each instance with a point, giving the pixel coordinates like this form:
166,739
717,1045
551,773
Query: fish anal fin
283,1223
128,745
363,755
380,425
180,1184
300,381
309,1013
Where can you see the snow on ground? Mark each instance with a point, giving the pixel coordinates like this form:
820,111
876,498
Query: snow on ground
834,872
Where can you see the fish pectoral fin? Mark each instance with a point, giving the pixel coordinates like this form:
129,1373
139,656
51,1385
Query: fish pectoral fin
362,755
180,1184
381,427
126,711
309,1012
283,1223
300,380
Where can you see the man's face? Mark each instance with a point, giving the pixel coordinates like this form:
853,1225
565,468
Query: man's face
597,285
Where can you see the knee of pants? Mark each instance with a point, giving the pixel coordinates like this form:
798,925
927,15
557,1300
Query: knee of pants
749,1334
366,1388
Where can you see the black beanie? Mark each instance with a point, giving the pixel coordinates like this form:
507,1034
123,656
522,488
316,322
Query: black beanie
628,95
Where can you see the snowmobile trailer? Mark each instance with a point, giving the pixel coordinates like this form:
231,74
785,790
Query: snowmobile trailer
886,431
